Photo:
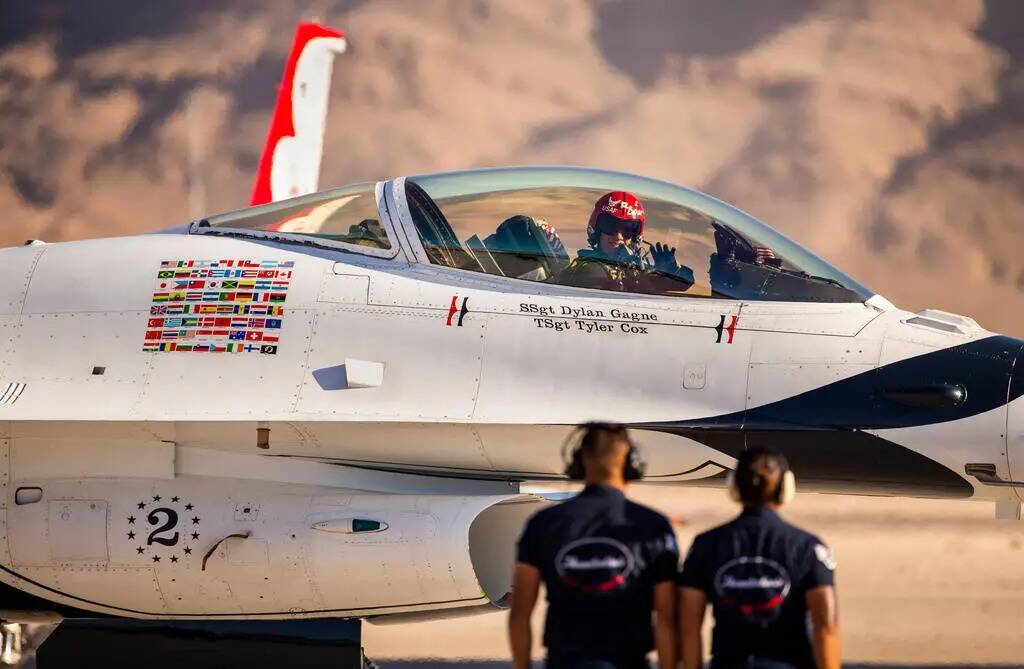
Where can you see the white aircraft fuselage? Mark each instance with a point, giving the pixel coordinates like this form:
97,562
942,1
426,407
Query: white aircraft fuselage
329,433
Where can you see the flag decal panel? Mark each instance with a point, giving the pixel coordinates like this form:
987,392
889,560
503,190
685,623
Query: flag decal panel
218,306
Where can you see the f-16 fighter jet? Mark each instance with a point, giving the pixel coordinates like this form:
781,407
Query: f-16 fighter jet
336,405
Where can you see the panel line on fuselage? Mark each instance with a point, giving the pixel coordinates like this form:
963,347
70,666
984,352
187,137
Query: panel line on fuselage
339,612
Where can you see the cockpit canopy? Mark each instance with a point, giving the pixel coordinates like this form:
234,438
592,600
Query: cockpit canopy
347,218
531,223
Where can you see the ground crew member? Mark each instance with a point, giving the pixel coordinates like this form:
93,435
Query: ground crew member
763,578
607,564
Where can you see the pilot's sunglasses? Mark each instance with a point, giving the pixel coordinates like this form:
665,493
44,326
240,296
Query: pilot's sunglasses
609,225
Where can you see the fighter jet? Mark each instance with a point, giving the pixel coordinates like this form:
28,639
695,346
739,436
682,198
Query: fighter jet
339,405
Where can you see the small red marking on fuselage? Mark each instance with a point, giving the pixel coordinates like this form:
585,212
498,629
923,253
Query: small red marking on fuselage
732,328
452,310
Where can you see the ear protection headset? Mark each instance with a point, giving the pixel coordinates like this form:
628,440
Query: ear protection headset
784,493
635,465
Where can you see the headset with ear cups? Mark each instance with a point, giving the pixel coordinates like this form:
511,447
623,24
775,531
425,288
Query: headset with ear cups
784,493
635,465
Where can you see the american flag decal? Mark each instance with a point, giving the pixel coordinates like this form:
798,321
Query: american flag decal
762,253
218,306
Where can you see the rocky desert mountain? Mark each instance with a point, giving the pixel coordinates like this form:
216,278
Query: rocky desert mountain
888,136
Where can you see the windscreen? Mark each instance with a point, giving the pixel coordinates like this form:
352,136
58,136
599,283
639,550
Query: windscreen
347,215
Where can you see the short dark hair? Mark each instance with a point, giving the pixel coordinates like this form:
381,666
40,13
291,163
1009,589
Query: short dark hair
759,472
598,443
598,437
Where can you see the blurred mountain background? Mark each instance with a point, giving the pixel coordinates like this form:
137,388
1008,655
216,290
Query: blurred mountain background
887,136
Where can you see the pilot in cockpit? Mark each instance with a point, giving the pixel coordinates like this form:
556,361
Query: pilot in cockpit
616,259
368,232
523,247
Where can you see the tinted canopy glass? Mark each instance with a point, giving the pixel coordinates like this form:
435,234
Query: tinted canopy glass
540,224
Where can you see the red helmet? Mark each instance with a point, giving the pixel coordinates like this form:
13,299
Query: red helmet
623,206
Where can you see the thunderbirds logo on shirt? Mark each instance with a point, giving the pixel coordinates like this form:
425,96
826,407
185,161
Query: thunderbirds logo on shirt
756,586
595,564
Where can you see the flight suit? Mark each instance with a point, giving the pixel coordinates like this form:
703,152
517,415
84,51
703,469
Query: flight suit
755,572
593,269
600,556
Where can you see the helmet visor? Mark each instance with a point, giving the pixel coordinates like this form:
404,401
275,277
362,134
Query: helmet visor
610,225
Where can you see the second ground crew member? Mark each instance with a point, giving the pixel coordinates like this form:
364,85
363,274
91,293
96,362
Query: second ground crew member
763,577
607,564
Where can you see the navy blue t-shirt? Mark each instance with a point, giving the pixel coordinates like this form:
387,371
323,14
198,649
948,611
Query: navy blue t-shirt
756,571
600,556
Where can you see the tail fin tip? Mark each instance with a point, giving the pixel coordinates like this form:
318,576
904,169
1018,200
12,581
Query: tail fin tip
290,162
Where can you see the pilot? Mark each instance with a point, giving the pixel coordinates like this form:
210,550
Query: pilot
368,232
615,260
527,248
606,564
763,578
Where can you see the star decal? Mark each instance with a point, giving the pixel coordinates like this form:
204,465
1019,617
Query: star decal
142,505
131,520
188,551
131,535
174,558
156,498
188,507
174,499
195,520
195,535
156,558
140,550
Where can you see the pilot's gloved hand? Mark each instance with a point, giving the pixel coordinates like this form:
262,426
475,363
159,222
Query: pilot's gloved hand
685,274
664,258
